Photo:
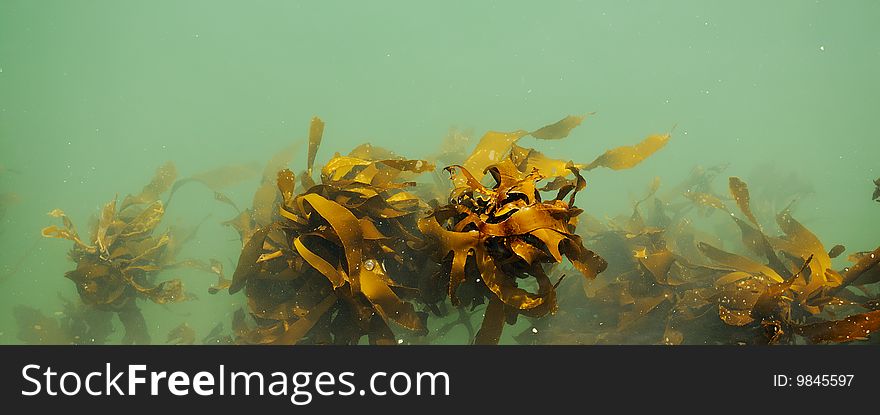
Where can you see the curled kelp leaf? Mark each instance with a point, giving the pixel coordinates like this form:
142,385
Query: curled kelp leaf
216,268
492,148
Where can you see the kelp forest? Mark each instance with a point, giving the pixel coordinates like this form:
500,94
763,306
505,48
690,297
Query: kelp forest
473,239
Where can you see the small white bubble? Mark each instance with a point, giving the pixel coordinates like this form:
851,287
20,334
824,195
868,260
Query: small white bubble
822,48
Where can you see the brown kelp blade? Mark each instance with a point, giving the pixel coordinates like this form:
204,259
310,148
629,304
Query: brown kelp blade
836,250
559,129
852,328
876,195
626,157
161,182
247,262
316,132
347,228
219,178
740,192
738,262
492,148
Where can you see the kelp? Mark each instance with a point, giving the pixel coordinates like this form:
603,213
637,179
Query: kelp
338,262
217,179
667,283
182,334
499,235
876,196
740,192
559,129
626,157
493,241
649,292
792,288
121,259
369,245
356,251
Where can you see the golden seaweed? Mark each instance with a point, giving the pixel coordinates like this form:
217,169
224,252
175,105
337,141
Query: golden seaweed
506,232
361,248
740,192
627,157
340,250
559,129
784,292
118,264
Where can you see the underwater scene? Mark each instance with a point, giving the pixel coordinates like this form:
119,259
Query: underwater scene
462,172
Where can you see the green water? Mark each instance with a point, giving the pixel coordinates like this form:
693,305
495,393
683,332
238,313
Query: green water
95,95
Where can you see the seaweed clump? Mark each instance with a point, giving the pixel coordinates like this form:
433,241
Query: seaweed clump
792,287
339,262
119,263
361,251
670,283
494,241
